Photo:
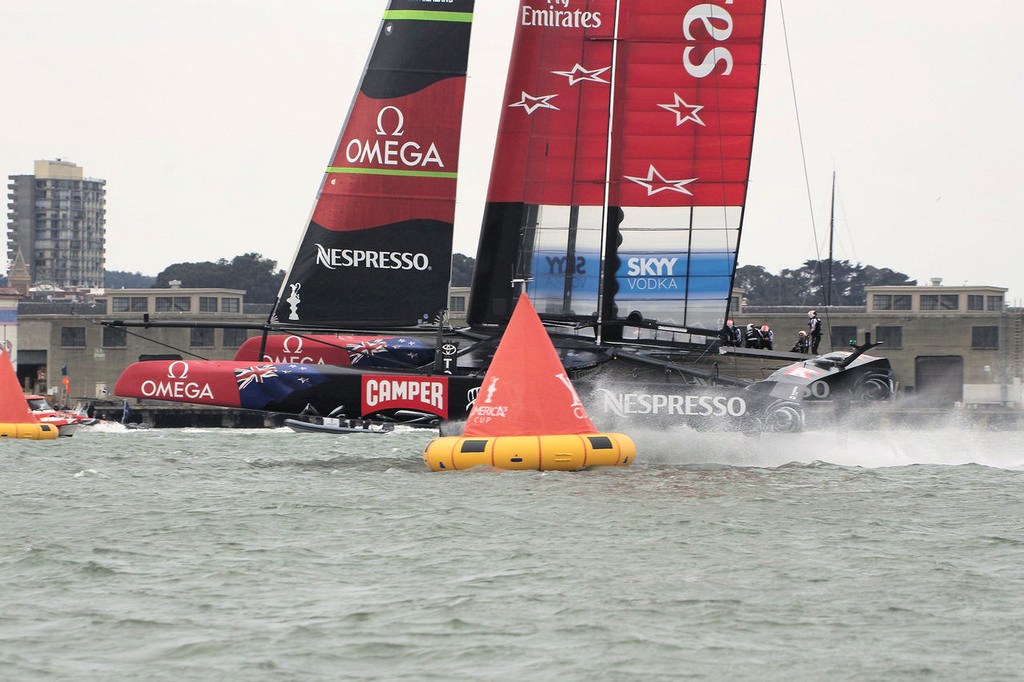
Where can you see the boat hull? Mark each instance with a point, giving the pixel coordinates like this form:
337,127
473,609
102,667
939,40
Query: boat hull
335,426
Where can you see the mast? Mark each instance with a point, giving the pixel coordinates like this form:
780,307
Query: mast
831,235
603,275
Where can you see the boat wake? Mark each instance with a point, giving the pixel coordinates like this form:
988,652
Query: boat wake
870,449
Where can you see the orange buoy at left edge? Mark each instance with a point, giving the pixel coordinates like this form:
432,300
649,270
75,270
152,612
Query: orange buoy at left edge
545,453
28,431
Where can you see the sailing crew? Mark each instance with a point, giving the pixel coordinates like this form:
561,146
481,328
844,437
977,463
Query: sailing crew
729,336
802,344
767,337
815,330
752,337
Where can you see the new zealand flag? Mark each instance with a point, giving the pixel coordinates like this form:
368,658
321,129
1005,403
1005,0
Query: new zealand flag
259,385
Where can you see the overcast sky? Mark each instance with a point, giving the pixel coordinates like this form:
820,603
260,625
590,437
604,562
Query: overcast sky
212,121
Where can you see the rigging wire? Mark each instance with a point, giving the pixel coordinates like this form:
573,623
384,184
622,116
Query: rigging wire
799,130
803,155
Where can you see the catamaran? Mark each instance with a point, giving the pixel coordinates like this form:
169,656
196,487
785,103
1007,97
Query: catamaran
616,201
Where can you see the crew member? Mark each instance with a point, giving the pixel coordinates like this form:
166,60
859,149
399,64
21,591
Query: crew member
802,343
815,330
767,337
729,336
752,337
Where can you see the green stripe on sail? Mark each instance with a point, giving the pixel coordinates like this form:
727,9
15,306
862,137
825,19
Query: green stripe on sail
386,171
427,15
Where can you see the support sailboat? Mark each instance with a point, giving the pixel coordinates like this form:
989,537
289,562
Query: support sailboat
616,200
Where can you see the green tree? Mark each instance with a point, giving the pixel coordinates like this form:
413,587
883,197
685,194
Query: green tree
251,272
805,286
462,270
120,279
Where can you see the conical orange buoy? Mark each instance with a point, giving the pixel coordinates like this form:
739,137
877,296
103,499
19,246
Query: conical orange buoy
527,414
16,420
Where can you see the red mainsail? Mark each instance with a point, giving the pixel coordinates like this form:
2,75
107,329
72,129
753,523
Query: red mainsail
622,160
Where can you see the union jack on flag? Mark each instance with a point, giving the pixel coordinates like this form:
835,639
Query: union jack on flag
249,375
364,349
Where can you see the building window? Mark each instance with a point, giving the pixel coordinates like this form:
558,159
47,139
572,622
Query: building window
173,304
233,338
975,302
902,302
207,304
949,301
72,337
200,337
889,336
995,304
115,337
842,336
882,302
929,301
457,304
129,304
230,305
985,337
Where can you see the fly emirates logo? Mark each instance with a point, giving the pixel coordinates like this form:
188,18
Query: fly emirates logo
559,14
177,385
714,21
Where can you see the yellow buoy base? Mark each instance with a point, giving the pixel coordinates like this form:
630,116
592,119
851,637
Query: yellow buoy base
544,453
29,431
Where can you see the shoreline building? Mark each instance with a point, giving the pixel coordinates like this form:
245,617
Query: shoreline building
57,223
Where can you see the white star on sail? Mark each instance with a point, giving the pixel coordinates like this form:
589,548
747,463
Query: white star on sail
532,104
655,182
578,74
682,117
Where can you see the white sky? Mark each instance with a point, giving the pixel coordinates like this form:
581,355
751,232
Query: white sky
212,121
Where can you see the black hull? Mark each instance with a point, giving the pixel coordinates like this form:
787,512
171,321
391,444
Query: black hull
300,426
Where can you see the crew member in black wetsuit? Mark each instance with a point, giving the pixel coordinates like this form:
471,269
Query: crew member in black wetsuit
814,324
802,343
729,336
752,337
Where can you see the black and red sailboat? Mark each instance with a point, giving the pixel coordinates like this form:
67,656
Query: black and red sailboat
616,200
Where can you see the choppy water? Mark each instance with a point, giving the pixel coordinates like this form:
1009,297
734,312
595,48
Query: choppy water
267,555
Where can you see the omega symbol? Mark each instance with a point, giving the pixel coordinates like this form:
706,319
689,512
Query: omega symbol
171,373
399,124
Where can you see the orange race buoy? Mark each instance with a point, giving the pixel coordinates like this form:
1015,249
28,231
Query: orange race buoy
527,414
16,419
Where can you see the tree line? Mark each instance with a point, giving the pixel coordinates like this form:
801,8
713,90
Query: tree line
808,285
259,276
802,286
